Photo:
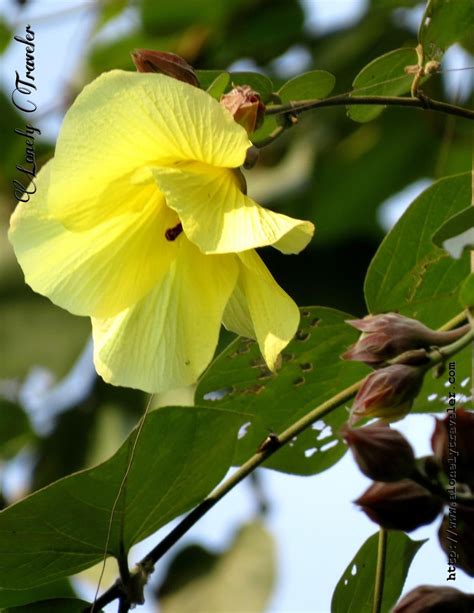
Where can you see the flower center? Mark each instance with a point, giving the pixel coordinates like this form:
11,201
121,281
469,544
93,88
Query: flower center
172,234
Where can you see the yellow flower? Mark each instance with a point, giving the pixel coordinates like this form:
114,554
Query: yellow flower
139,222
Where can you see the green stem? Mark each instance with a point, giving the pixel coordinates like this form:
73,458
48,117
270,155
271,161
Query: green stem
450,350
380,571
267,449
422,102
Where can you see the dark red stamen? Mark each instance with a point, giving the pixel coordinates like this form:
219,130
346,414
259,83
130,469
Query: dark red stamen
172,234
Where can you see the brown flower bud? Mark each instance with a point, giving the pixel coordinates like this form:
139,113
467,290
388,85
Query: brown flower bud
452,444
166,63
434,599
246,106
456,536
387,393
403,505
382,454
386,336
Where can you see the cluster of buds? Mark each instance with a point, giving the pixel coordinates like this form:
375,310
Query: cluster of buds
242,101
408,493
432,599
390,390
387,336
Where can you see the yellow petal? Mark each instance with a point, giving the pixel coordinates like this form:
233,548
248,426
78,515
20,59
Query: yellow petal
259,304
99,271
237,316
123,121
168,338
219,218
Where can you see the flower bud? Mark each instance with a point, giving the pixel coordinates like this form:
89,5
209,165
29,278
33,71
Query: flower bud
386,336
456,537
166,63
246,106
387,393
452,444
382,454
434,599
403,505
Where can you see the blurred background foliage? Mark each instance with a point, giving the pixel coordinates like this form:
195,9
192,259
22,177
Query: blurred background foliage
328,169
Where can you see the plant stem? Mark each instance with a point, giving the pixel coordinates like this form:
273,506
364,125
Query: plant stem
267,449
421,102
380,571
453,348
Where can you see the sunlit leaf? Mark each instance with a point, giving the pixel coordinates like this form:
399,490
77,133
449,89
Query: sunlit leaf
60,530
314,84
218,86
355,591
411,275
311,373
457,234
444,23
384,76
200,580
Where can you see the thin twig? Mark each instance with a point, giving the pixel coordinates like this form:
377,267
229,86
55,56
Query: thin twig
348,100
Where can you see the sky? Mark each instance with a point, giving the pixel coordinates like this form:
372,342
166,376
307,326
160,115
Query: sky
316,526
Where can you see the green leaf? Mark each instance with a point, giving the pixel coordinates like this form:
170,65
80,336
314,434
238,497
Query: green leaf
15,429
58,605
200,580
409,274
183,452
457,234
6,35
16,598
384,76
355,590
445,22
466,294
207,77
311,373
258,82
270,124
218,86
314,84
